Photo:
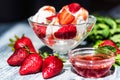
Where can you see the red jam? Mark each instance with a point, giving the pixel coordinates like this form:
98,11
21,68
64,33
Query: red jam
91,66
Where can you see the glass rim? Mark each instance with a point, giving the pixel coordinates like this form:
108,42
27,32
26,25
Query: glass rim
89,61
90,17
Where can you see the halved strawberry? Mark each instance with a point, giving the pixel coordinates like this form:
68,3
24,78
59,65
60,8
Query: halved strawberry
65,17
32,64
66,32
74,7
40,30
52,66
50,40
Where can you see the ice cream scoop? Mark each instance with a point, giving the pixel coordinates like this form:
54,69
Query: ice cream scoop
43,13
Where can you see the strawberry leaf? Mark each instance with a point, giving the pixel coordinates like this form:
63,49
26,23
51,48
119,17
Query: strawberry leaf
62,59
113,49
16,37
117,61
45,55
118,57
12,42
118,44
104,50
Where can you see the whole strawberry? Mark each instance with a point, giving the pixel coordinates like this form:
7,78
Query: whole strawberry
17,57
21,49
110,43
24,42
32,64
52,66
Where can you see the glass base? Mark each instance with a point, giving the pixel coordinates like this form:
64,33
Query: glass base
109,76
67,65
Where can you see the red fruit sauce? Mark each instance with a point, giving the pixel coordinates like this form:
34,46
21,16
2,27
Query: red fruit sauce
91,66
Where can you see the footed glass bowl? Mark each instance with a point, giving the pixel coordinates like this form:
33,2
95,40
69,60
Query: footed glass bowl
62,38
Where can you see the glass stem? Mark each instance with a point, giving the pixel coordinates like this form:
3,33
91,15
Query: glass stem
63,55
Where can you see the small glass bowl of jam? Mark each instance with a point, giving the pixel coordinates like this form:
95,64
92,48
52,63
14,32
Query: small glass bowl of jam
91,62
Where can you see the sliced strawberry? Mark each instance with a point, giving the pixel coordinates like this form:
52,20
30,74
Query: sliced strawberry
17,58
52,66
65,17
74,7
32,64
50,18
40,30
50,41
66,32
90,27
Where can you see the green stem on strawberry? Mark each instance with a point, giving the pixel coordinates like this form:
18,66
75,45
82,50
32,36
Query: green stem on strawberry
16,37
12,42
46,54
28,50
63,59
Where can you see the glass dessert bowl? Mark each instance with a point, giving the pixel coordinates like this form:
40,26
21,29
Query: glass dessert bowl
62,38
91,62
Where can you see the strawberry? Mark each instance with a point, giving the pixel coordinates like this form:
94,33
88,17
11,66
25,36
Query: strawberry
65,17
74,7
22,47
24,42
118,51
52,66
32,64
66,32
110,43
40,30
50,40
50,18
17,57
